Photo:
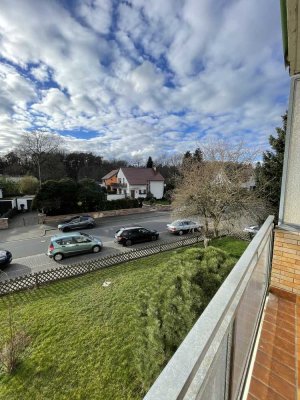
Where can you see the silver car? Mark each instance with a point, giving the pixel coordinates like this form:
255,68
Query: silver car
182,226
78,222
68,244
252,229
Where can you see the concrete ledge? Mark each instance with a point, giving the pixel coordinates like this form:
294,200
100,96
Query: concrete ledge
3,223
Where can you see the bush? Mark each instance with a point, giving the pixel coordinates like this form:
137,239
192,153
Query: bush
10,188
120,204
67,196
178,298
29,185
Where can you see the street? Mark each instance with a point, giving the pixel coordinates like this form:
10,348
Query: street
29,253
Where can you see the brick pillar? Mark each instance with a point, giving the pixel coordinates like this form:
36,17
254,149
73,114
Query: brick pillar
285,273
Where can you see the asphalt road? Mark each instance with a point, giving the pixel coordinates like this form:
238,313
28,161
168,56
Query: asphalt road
29,254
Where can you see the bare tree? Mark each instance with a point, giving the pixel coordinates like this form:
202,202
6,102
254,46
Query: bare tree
37,144
214,188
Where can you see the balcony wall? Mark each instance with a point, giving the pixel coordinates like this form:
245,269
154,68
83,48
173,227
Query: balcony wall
213,360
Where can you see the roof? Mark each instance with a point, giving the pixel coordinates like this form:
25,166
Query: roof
141,176
65,235
110,174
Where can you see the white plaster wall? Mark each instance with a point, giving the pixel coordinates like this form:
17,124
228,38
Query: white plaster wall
291,209
121,176
20,202
137,189
157,189
115,196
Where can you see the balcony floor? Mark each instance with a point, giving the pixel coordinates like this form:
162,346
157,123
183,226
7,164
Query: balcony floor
276,368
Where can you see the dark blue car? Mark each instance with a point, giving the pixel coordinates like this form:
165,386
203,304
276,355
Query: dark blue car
5,257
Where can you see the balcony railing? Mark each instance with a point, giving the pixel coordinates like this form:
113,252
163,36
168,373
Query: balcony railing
213,360
118,185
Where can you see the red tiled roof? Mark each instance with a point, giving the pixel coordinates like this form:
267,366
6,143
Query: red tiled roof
141,176
110,174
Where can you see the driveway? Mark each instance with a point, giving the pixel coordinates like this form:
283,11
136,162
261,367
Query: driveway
24,220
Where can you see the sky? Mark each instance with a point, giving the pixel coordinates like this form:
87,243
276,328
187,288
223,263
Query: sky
139,78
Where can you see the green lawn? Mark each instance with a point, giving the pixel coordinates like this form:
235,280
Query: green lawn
83,334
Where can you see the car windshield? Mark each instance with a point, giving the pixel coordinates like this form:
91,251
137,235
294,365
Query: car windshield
178,222
85,234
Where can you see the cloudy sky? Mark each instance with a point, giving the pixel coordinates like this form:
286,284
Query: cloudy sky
137,78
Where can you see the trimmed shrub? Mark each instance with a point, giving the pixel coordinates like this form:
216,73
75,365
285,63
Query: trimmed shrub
177,300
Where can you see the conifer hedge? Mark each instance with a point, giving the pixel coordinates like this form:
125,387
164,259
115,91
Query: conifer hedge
177,300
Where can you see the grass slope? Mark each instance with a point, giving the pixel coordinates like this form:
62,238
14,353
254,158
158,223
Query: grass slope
83,334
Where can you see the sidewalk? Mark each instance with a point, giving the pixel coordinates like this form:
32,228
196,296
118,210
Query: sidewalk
23,232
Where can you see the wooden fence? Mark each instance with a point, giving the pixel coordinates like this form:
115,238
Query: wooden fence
38,279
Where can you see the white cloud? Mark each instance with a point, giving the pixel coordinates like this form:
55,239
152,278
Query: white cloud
147,76
41,73
96,13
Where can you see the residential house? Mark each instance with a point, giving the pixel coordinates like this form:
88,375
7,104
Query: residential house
110,180
135,182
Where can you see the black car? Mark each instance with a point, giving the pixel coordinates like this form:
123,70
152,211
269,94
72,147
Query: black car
5,257
136,234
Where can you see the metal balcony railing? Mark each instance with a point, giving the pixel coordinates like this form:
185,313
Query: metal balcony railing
213,360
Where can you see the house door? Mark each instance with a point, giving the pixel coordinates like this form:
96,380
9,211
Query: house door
132,192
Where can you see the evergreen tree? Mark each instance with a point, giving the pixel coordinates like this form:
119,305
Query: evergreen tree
187,156
269,173
149,163
198,155
171,306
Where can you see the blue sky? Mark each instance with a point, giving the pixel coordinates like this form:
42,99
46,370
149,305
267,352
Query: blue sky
130,79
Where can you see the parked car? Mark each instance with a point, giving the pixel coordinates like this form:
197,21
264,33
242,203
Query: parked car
5,257
69,244
78,222
135,234
71,218
182,226
252,229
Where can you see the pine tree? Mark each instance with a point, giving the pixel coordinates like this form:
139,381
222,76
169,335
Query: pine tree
198,155
149,163
269,173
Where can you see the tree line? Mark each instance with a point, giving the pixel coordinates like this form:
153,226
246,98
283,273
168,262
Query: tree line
208,181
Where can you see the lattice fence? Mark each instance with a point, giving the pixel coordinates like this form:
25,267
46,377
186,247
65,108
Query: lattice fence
67,271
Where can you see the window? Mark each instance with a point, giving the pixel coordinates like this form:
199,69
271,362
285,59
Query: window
67,241
143,230
82,239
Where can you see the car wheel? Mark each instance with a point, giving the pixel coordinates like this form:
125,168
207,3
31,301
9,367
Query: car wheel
58,257
180,233
153,238
128,242
96,249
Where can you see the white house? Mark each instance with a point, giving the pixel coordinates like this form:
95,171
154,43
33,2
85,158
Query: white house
138,182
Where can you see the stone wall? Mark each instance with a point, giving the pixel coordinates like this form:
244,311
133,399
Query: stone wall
3,223
286,261
44,219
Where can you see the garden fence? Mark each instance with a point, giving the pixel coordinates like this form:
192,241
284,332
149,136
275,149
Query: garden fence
38,279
